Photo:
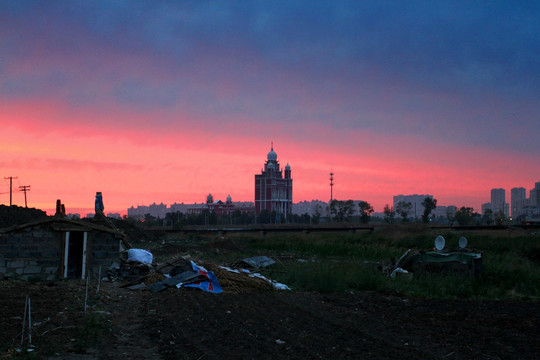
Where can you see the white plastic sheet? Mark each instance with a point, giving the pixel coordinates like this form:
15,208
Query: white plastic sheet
140,255
275,284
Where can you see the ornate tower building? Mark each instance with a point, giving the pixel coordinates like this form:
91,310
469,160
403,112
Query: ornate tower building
273,188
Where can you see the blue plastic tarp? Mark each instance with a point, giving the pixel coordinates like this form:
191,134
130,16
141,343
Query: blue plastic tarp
211,285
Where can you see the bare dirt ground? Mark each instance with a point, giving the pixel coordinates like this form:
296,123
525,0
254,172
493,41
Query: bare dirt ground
257,324
191,324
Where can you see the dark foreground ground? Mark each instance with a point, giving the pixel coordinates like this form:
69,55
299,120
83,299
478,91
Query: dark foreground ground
191,324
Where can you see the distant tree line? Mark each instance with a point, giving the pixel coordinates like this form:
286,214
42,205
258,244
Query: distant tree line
340,211
206,217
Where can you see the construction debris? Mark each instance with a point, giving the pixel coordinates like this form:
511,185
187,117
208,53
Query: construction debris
249,274
204,276
461,260
139,256
258,262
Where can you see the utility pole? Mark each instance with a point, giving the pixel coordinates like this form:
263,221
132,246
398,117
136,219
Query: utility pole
10,187
24,188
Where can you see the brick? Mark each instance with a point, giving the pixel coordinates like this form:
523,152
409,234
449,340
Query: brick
24,240
99,254
15,264
13,240
40,234
51,255
46,263
32,270
50,270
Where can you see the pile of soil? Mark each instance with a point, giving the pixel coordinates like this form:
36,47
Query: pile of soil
132,230
16,215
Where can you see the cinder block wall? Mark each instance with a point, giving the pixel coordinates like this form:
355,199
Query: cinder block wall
36,253
105,249
32,252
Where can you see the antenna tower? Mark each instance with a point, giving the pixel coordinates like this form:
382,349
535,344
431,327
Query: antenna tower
331,186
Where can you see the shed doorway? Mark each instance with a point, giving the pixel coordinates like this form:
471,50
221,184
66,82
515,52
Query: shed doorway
75,254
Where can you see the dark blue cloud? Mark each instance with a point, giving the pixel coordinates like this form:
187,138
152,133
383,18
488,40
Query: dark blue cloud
358,65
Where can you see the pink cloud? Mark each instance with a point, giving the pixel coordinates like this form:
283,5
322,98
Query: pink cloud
70,155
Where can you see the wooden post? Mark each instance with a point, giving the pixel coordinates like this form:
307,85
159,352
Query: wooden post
29,322
24,320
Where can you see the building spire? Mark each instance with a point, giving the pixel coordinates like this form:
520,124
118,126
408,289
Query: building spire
272,145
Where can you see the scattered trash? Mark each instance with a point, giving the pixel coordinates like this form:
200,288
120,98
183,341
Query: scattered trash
275,284
179,279
210,285
183,278
182,272
112,273
178,274
462,260
157,287
129,271
258,262
398,270
137,286
139,256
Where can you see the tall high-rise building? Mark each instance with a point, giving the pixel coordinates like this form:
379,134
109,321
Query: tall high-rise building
498,201
273,187
535,195
498,196
518,199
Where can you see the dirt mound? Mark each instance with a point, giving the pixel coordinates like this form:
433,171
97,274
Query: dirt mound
15,215
133,231
232,282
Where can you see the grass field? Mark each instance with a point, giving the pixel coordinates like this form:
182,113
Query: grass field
348,262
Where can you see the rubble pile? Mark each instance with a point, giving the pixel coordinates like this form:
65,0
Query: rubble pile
140,273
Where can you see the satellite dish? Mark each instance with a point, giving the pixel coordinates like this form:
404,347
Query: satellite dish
462,244
439,243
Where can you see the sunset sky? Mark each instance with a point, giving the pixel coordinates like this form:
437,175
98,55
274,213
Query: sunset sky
167,101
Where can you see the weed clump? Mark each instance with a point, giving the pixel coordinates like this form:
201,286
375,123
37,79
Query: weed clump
90,332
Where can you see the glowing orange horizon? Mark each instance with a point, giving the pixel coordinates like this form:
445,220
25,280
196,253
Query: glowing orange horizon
134,166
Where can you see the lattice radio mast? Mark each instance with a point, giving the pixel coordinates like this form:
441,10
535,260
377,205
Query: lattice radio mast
331,186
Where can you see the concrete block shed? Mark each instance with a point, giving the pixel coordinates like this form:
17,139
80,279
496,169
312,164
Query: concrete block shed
58,248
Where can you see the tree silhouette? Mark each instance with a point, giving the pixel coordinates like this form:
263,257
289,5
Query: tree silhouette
389,214
365,211
429,205
403,208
